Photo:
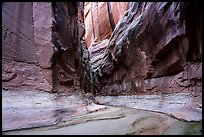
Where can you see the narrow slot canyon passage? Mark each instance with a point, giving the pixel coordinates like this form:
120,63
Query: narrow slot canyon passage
101,68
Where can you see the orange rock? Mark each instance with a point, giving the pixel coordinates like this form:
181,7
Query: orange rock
98,19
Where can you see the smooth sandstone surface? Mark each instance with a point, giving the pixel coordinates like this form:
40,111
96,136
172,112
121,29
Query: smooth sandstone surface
117,121
44,113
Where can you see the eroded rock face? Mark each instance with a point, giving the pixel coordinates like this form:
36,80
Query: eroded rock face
134,48
100,19
42,48
20,65
154,48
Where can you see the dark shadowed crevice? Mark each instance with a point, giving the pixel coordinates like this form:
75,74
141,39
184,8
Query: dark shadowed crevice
193,18
112,23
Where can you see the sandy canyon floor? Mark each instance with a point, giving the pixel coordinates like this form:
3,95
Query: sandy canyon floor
28,113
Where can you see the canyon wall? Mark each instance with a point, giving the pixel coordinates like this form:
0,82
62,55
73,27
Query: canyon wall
100,20
156,47
133,47
42,48
142,49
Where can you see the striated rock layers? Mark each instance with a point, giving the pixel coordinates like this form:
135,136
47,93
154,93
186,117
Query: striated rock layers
43,48
129,48
135,47
100,20
156,47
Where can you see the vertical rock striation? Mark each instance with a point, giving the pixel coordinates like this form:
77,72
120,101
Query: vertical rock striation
154,48
100,20
135,47
43,47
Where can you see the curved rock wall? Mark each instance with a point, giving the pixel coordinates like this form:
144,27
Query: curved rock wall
154,48
135,47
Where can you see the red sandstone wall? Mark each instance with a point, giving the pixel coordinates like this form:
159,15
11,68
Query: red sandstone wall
156,47
97,21
41,46
21,57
